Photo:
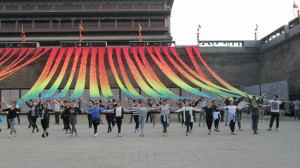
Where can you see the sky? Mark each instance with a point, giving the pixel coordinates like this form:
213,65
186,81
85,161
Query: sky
228,19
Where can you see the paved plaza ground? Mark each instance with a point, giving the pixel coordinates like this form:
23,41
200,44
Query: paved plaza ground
267,150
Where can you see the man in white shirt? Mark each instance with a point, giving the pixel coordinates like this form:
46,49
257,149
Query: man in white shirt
274,112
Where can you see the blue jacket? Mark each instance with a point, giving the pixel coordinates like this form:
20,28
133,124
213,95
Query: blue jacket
95,112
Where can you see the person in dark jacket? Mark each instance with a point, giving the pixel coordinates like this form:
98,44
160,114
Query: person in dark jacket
254,110
44,114
11,116
33,112
118,112
73,118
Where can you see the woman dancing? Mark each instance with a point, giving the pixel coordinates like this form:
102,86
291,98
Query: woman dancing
164,110
34,108
110,117
73,118
95,117
89,114
209,109
142,113
118,112
231,117
188,118
217,115
44,115
11,116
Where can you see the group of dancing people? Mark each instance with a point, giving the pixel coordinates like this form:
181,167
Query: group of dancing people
210,111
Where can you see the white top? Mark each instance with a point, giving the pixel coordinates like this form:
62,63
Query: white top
231,109
118,111
56,107
275,105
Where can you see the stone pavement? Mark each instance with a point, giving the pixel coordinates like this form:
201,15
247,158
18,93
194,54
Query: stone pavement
268,149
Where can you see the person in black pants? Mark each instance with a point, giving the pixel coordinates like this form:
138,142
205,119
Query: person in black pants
30,103
66,116
33,112
217,115
151,103
188,118
275,110
134,114
89,113
118,112
4,102
44,114
109,117
57,110
209,115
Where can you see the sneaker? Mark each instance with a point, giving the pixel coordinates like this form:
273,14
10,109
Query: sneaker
233,133
209,133
241,129
43,135
187,134
71,135
47,134
217,130
135,131
270,129
276,129
10,136
17,134
255,132
119,135
95,134
164,134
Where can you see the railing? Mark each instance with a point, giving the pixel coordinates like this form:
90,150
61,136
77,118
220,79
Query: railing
82,7
221,43
83,44
294,27
63,24
151,43
274,34
19,45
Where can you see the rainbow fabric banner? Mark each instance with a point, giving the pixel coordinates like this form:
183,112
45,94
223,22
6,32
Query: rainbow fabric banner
73,65
94,88
59,79
18,63
103,76
130,88
114,71
80,84
150,75
65,90
197,51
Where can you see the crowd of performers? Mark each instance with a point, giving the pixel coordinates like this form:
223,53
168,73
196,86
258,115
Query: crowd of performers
228,110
